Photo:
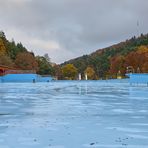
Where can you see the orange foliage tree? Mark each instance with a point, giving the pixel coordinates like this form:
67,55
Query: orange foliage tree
138,59
117,64
26,61
5,60
2,47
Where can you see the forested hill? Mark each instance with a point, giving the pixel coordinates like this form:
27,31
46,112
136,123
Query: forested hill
115,59
16,56
103,63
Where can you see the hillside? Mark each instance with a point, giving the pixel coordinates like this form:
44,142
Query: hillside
109,61
103,63
16,56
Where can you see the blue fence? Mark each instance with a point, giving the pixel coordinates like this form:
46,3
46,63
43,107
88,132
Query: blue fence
24,78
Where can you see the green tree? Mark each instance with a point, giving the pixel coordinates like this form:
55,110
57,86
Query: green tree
46,56
45,68
14,49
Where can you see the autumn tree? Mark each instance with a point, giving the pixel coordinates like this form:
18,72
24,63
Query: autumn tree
145,67
90,73
6,61
138,58
58,72
69,71
26,61
142,50
2,47
117,64
4,58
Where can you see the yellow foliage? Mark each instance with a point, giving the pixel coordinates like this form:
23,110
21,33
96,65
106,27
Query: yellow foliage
142,50
69,71
2,47
90,73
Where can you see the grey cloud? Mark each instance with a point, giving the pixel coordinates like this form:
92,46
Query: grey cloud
76,26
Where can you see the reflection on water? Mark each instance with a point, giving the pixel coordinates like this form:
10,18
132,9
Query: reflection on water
73,114
83,88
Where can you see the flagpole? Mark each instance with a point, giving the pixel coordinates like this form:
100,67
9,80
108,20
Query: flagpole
138,32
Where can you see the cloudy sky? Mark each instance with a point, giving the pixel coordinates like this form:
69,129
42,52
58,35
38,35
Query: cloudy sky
69,28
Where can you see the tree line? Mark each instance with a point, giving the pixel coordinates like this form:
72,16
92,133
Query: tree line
16,56
114,60
101,64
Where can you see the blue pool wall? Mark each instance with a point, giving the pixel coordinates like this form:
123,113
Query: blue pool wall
25,78
139,78
44,79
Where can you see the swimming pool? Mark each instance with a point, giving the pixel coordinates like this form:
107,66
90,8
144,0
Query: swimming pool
73,114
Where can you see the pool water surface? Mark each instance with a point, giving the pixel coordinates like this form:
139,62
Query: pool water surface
73,114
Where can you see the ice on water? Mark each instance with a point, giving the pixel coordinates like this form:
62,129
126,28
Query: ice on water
73,114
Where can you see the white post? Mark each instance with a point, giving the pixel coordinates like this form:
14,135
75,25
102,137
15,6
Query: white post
86,78
80,76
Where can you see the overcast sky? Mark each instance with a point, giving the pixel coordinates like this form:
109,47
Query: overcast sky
67,29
